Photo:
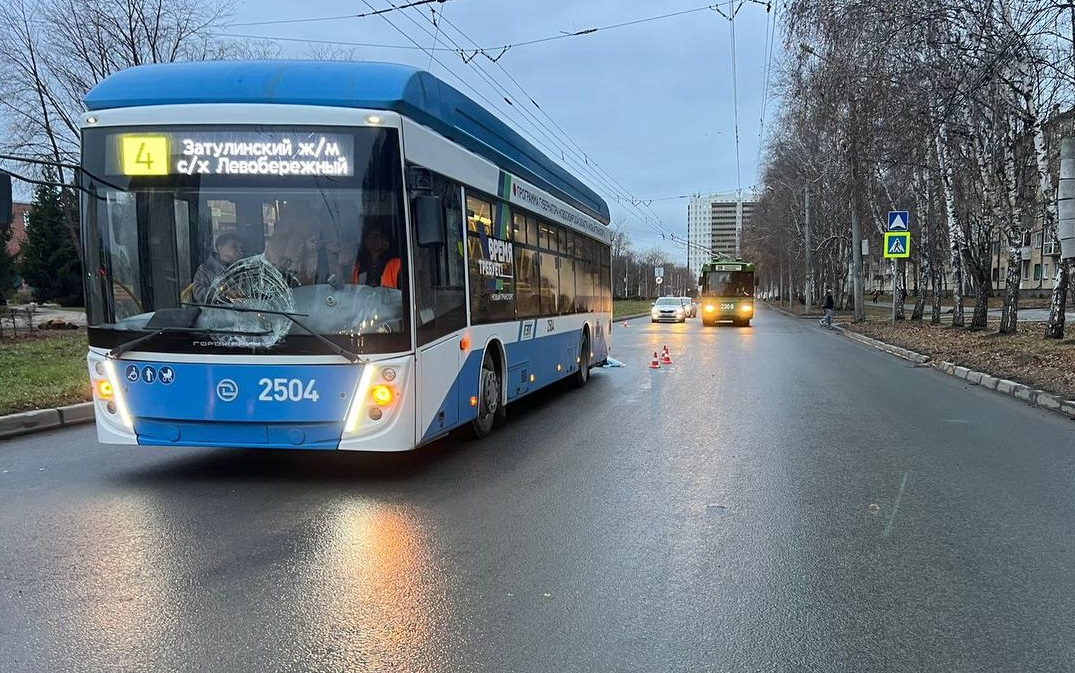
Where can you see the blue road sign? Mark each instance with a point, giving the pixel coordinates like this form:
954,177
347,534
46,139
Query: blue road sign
897,244
898,220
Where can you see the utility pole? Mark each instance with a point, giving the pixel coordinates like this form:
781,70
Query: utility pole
856,228
809,250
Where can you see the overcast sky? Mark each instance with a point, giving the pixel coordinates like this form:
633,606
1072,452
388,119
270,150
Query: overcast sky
651,104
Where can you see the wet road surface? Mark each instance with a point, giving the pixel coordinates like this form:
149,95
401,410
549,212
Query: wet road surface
779,499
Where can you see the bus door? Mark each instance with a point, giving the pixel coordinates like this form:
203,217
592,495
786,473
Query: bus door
440,297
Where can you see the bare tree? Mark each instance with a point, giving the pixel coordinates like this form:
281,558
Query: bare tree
42,86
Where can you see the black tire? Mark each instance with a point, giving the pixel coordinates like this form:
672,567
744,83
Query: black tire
489,400
583,374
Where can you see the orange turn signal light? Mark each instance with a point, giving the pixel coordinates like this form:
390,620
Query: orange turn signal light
381,394
104,389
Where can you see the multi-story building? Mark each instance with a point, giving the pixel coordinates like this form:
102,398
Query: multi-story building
1038,254
19,218
715,227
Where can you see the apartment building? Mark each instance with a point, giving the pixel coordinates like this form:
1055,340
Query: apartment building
715,227
19,218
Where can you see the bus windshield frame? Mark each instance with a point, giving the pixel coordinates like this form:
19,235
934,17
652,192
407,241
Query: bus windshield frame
170,247
721,283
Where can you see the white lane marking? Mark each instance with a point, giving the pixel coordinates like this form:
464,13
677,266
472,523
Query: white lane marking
896,507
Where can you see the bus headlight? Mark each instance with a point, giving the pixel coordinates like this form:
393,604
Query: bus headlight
709,308
746,307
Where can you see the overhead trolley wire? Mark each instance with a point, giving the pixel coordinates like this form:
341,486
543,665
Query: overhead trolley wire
584,165
465,83
770,40
277,22
584,162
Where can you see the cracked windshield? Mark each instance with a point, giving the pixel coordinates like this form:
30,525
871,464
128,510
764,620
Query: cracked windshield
486,335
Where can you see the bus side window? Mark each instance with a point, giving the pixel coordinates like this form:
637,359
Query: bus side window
440,293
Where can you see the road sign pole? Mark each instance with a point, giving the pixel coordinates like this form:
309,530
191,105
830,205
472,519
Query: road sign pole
895,294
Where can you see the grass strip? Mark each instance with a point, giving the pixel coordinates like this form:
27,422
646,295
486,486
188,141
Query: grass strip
44,372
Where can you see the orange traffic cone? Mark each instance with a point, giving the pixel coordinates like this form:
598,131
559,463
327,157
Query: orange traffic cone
654,364
666,359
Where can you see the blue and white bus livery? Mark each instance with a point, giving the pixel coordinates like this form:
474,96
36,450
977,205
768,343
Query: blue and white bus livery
407,264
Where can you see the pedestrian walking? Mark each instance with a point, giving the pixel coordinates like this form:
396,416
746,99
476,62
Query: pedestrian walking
829,304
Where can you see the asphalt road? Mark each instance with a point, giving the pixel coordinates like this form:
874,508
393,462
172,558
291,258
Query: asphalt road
779,499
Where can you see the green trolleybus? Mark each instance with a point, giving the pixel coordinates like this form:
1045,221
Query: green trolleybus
727,292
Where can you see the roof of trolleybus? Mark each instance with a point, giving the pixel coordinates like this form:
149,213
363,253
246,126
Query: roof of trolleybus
413,93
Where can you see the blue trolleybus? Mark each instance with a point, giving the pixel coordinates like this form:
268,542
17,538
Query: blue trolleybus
326,255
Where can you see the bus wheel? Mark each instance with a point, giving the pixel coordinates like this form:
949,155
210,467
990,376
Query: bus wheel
488,400
583,374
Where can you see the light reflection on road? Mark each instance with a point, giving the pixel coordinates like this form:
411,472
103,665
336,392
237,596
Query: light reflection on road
378,599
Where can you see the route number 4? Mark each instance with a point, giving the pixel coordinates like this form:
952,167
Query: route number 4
144,155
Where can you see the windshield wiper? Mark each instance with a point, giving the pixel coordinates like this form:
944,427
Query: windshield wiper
354,358
131,345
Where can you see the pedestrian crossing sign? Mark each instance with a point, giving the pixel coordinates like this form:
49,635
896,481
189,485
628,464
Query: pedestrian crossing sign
897,244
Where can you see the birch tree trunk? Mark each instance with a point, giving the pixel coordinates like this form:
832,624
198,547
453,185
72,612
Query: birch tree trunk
1065,210
924,221
1009,315
955,232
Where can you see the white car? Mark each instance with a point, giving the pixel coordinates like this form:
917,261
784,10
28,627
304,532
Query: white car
668,309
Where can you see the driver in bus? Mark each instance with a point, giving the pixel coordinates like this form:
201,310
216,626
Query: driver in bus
228,250
377,264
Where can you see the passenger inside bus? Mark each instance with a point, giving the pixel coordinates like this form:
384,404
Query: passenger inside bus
293,247
377,263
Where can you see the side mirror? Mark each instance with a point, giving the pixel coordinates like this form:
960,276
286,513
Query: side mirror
428,213
5,199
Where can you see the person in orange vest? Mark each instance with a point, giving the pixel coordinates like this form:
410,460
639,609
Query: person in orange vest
377,265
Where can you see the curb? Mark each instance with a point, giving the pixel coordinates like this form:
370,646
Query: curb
917,358
14,425
1034,396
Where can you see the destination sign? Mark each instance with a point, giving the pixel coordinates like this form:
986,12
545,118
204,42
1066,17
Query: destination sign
197,152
